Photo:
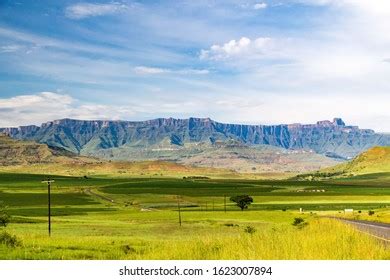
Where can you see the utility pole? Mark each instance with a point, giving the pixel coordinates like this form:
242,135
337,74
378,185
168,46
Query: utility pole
178,207
48,182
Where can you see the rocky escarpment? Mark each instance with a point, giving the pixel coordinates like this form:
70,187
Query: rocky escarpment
332,138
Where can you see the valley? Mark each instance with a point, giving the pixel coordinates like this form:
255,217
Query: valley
108,207
137,218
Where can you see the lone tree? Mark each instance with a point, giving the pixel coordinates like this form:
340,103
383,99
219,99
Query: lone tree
242,201
4,217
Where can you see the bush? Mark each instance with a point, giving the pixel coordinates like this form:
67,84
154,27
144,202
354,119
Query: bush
299,222
370,213
230,225
9,240
4,217
127,249
250,230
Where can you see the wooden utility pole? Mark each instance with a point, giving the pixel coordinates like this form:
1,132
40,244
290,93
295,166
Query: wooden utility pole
178,207
48,182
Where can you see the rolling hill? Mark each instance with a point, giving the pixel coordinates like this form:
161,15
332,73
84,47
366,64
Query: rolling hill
374,161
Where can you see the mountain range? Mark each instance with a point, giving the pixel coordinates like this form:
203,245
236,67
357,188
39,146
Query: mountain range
202,141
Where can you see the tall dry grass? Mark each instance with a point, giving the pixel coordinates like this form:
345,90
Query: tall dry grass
320,240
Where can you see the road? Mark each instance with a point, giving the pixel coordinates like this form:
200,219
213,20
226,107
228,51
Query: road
378,230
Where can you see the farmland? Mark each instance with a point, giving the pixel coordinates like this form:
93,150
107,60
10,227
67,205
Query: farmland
136,218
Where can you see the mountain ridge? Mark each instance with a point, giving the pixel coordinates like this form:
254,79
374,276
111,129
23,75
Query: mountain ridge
332,138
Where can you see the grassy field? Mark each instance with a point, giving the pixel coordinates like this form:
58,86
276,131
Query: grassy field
137,218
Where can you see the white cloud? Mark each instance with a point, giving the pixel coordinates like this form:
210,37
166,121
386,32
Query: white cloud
45,106
43,99
85,10
144,70
233,48
35,109
260,6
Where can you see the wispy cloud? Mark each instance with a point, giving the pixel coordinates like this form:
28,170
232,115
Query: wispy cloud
85,10
10,48
144,70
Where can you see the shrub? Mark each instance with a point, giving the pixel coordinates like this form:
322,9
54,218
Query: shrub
370,213
4,216
127,249
230,225
9,240
250,230
299,222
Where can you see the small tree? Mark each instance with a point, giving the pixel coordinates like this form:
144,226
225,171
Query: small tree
4,216
242,201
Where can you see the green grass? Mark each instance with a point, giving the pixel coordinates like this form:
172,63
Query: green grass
137,218
39,199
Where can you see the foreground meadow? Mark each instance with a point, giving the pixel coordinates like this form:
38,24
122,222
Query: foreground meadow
138,218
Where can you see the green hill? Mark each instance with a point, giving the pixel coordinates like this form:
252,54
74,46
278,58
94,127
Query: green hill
374,160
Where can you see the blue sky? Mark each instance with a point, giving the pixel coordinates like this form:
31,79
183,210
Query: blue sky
238,61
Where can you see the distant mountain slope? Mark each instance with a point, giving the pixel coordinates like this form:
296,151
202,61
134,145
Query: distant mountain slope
228,155
15,152
375,160
30,157
260,158
333,139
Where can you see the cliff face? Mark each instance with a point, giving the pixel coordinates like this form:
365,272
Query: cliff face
334,138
